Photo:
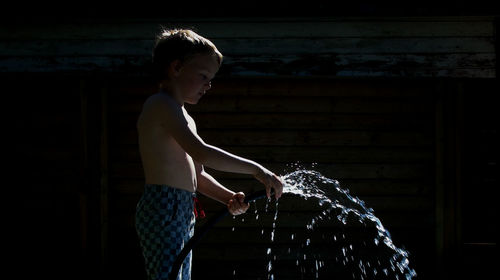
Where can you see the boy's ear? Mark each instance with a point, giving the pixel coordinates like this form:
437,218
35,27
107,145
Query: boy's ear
174,68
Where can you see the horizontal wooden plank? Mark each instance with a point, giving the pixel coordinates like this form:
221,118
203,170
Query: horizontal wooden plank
255,28
320,138
282,269
292,236
294,104
288,269
358,187
384,205
237,120
137,66
324,252
139,89
313,87
423,236
68,64
282,250
265,46
357,171
286,46
301,138
390,209
333,64
318,154
288,205
350,171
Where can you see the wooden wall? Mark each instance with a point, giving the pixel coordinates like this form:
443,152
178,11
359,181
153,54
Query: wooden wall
393,143
376,138
379,104
340,47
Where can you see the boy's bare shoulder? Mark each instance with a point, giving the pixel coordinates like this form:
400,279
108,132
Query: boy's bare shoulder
160,102
163,109
158,99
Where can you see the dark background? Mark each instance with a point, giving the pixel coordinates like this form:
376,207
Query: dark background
422,151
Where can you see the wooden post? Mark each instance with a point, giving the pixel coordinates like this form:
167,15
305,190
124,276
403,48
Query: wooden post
459,164
84,172
497,47
439,194
449,139
104,177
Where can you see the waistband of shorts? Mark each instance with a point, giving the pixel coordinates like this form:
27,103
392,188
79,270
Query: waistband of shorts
168,188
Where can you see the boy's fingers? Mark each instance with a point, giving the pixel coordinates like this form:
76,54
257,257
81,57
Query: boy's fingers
230,204
244,206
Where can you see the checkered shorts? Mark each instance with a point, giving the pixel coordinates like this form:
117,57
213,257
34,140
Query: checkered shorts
164,223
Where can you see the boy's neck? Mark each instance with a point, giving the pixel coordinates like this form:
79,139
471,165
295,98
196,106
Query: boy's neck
170,93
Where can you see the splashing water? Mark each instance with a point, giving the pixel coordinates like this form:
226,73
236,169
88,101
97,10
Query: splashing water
370,254
390,262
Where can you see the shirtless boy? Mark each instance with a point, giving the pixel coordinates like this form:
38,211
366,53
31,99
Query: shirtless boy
173,154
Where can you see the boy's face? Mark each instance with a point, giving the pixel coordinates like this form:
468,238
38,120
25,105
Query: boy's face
192,78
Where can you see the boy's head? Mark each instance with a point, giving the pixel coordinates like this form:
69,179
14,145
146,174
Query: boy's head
181,45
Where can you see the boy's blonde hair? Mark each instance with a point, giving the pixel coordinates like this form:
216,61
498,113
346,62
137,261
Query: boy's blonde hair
181,44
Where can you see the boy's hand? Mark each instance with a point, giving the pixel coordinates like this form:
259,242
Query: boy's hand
271,181
237,205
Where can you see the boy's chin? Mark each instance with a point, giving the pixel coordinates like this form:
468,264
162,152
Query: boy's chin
192,102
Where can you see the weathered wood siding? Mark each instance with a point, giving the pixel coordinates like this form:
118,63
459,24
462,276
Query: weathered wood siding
376,138
343,47
388,140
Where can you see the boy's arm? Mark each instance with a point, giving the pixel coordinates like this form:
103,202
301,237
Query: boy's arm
208,186
174,121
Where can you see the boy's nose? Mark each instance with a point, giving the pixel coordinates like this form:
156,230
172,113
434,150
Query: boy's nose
208,85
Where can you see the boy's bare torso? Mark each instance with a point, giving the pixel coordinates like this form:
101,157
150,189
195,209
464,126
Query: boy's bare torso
163,159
